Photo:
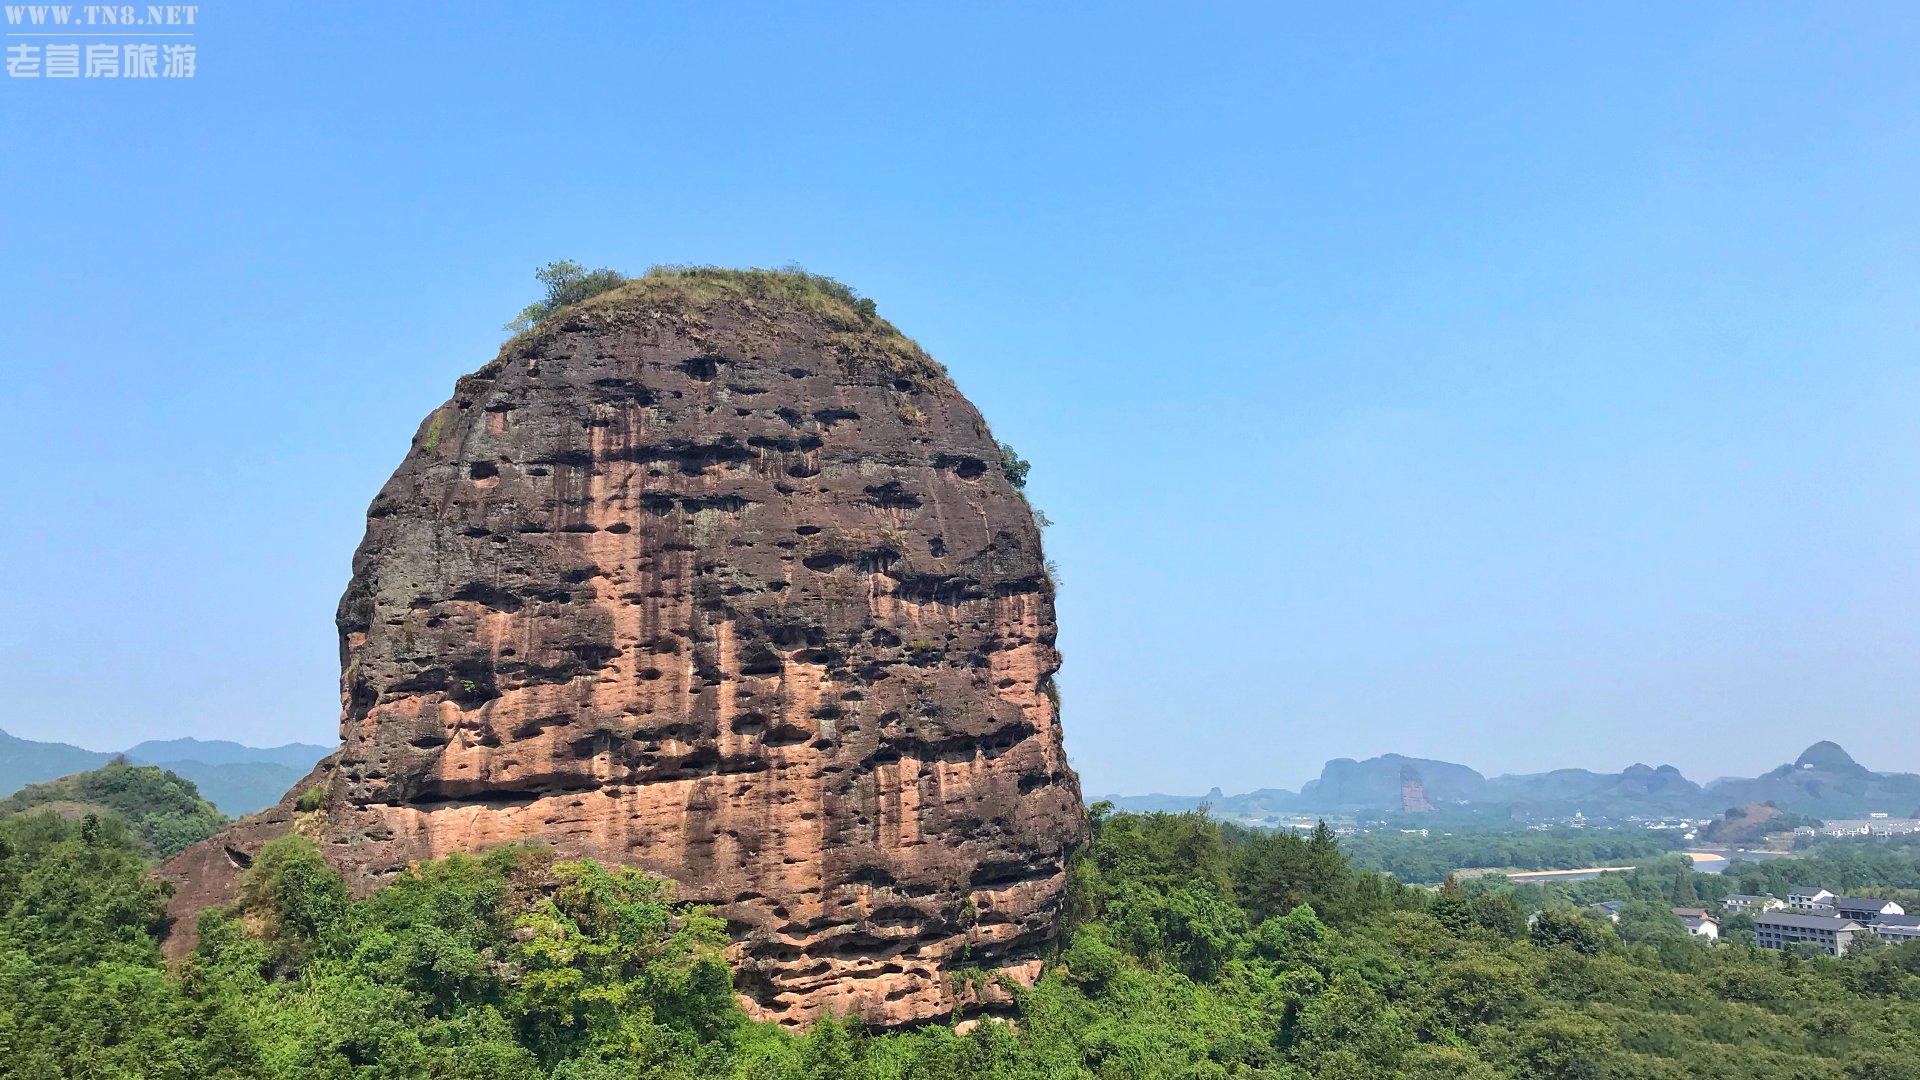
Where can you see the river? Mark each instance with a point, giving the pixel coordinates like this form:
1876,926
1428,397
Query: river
1705,861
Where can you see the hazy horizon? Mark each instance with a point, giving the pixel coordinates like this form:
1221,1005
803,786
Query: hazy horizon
1513,386
1091,791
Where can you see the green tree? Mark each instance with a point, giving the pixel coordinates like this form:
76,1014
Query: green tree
567,283
1563,1046
1564,927
1014,466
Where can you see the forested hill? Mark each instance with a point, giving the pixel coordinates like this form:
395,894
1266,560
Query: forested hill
238,779
1191,949
163,812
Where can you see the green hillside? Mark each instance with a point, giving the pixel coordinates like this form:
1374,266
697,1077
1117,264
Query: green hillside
1191,950
238,779
164,813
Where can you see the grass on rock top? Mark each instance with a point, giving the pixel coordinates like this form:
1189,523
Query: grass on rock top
690,291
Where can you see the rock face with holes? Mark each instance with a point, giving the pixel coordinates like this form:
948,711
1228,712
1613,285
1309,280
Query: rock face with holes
718,576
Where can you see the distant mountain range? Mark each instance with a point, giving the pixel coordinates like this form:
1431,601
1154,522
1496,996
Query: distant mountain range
1824,781
237,779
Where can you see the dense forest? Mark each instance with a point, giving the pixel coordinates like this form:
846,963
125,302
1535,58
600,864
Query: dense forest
1191,950
1429,856
163,813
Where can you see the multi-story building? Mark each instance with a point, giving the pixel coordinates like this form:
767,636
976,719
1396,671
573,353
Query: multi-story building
1738,902
1809,898
1896,929
1784,929
1865,908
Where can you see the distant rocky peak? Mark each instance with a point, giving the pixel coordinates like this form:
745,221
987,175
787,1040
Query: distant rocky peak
1825,755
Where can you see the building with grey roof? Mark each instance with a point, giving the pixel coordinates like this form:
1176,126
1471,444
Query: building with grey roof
1784,929
1809,898
1895,929
1698,922
1865,908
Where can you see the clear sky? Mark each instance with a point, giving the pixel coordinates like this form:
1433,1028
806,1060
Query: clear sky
1521,386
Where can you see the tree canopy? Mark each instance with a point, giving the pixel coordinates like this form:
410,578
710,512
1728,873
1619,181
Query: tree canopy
165,812
1190,949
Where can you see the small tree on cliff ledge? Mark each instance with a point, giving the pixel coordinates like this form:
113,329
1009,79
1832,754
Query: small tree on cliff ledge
1015,466
567,282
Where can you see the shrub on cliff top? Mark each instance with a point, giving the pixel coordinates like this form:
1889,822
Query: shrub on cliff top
854,322
567,283
792,282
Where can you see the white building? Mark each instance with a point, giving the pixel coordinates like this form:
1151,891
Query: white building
1809,898
1699,923
1739,902
1877,825
1896,929
1865,908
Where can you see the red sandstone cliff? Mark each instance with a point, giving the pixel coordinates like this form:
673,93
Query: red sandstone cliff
719,576
1413,794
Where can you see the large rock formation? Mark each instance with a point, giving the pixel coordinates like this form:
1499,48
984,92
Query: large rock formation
1824,781
1638,789
1413,797
719,576
1374,784
1744,824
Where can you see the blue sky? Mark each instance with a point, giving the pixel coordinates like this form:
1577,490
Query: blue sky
1519,386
